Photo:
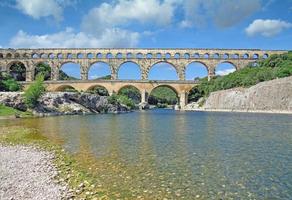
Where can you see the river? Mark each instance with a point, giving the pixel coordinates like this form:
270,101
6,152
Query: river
179,155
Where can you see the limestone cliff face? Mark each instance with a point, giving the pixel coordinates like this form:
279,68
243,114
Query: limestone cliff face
269,96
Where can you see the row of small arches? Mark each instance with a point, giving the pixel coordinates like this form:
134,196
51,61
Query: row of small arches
131,55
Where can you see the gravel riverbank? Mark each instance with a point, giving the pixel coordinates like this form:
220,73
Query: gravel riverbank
28,173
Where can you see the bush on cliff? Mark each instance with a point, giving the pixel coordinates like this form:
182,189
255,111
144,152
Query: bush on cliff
34,91
7,83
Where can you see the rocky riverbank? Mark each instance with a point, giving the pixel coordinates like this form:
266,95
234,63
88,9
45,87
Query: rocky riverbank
273,96
28,173
64,103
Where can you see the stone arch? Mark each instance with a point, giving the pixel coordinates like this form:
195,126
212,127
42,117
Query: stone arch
69,73
89,55
160,63
177,55
235,56
1,56
119,55
46,69
225,55
51,55
265,56
35,55
245,56
63,88
16,55
255,56
127,64
187,55
225,67
149,55
129,55
199,67
206,55
25,55
196,55
167,55
18,70
99,55
80,55
152,100
43,55
98,70
158,55
60,56
109,55
133,92
69,56
99,89
216,55
139,55
8,55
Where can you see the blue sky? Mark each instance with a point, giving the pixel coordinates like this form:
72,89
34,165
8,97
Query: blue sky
263,24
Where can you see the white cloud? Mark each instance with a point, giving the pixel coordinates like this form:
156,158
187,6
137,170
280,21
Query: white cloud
37,8
68,38
267,28
224,13
225,72
128,11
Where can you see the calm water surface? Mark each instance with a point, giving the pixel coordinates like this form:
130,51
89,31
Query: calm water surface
180,155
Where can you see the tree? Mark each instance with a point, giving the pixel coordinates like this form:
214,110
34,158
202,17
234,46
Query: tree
34,91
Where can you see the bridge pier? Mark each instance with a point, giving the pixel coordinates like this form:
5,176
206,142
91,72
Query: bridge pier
183,100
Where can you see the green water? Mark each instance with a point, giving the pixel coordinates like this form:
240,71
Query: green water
179,155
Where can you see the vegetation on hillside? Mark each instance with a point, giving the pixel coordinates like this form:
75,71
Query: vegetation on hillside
276,66
8,111
132,93
121,99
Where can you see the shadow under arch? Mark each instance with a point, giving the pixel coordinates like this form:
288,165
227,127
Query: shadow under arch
196,70
224,68
163,94
17,70
65,88
99,70
129,70
131,92
166,68
98,89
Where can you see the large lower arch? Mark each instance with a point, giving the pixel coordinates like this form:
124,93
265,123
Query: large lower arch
17,70
44,69
225,68
99,90
65,88
129,71
99,70
131,92
163,95
70,71
163,71
196,70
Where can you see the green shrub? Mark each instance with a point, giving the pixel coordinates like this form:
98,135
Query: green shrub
34,91
7,83
124,100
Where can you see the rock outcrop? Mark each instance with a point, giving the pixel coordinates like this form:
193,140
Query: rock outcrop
269,96
59,103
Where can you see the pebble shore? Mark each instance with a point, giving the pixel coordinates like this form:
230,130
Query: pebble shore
28,173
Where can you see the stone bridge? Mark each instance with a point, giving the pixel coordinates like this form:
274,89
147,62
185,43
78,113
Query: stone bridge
144,58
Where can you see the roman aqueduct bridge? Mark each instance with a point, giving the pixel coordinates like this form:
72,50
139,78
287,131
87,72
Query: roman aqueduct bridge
144,58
